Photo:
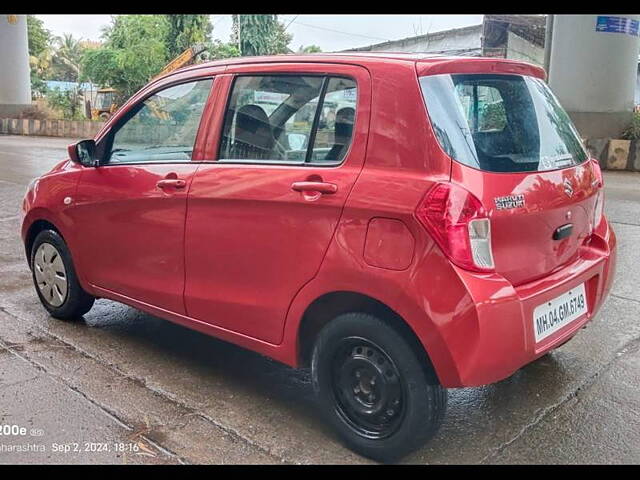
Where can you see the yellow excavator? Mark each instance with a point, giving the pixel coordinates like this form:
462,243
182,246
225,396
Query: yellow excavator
106,102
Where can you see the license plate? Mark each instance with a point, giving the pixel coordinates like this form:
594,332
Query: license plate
555,314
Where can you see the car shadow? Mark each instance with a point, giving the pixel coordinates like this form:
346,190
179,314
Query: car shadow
210,368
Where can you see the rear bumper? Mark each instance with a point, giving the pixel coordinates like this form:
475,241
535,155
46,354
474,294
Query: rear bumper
492,336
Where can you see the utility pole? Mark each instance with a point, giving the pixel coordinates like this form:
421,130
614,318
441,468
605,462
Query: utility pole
548,38
239,35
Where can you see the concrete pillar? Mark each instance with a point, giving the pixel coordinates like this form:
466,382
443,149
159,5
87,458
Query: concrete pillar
15,82
593,70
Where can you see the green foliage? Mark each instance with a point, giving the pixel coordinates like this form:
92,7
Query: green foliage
126,31
99,66
40,55
218,50
66,60
39,37
279,43
632,132
52,57
137,47
493,117
260,35
309,49
186,30
38,85
67,102
134,52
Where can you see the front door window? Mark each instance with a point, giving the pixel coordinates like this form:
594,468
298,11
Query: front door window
163,127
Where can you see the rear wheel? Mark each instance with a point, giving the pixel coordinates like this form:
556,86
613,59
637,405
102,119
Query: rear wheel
55,279
383,400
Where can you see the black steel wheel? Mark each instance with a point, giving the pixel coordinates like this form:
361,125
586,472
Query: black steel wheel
381,396
368,388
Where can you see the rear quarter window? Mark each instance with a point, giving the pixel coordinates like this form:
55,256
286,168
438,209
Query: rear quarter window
501,123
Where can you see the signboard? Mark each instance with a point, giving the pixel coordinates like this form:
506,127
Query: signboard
617,25
349,94
269,97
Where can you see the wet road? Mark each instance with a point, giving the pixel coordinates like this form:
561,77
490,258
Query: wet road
126,378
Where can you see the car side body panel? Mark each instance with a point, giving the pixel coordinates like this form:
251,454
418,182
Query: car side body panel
45,200
137,224
252,241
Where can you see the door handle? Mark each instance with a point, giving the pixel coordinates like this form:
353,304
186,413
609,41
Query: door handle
320,187
171,182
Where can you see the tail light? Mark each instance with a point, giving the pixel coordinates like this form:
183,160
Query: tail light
599,206
459,224
597,172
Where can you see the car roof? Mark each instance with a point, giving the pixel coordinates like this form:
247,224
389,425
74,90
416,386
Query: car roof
355,57
426,63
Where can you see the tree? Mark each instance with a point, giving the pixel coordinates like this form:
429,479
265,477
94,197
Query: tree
185,31
309,49
99,66
40,69
39,37
66,102
65,62
67,57
260,35
134,51
218,50
40,55
280,40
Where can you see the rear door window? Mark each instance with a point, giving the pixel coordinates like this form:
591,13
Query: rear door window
501,123
335,121
289,119
251,128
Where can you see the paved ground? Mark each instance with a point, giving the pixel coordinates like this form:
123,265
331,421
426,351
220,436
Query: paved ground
125,377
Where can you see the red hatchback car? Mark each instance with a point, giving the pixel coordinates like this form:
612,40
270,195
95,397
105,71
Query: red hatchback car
401,223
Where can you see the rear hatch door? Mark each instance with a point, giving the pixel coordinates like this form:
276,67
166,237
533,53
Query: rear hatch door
538,220
516,149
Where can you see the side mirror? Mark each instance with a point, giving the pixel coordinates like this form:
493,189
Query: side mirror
84,153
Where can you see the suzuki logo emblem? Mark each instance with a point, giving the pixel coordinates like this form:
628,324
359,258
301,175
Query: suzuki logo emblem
568,188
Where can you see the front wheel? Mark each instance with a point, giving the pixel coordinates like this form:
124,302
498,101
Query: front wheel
55,278
382,399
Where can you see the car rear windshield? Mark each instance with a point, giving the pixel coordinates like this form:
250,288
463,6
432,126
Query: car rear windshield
501,123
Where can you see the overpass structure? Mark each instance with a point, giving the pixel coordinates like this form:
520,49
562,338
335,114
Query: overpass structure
592,62
15,82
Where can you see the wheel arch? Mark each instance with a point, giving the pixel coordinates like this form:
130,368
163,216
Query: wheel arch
34,229
330,305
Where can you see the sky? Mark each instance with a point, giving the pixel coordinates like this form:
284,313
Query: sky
329,32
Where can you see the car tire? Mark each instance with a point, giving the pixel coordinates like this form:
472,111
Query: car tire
381,397
55,279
